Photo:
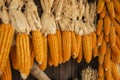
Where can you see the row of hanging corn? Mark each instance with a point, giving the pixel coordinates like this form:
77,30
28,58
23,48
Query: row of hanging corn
65,29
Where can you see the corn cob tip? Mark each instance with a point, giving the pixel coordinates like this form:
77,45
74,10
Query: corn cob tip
24,77
74,55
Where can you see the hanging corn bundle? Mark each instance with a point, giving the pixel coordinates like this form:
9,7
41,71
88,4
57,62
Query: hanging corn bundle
21,26
35,26
57,7
6,36
49,29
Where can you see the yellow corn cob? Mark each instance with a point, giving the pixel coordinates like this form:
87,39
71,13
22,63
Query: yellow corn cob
115,58
106,38
44,63
117,17
103,13
53,47
13,57
107,60
58,33
99,26
100,58
115,71
49,60
32,56
116,5
118,41
107,23
103,47
23,54
117,26
112,36
37,42
108,75
95,51
115,49
87,49
66,43
7,75
94,40
74,46
100,38
110,8
100,6
79,47
100,70
6,37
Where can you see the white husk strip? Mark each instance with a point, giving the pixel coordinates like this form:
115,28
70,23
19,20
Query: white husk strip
89,74
65,22
4,15
47,18
17,18
32,15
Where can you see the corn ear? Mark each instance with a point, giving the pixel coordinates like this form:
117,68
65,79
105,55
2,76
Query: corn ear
6,37
103,47
100,6
74,46
110,8
100,39
117,41
108,75
107,1
44,63
107,23
107,38
94,40
100,70
107,60
87,49
66,43
103,13
115,49
53,47
79,48
37,42
59,37
23,54
117,18
95,51
116,5
117,27
32,56
100,58
99,26
112,36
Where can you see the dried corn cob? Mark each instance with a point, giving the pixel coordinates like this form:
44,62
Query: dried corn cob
100,58
95,51
74,45
107,23
58,33
115,71
32,56
116,5
100,38
110,8
117,27
13,57
44,63
100,70
23,54
107,60
7,75
66,43
112,36
115,49
103,47
103,13
37,42
106,38
94,40
79,47
87,49
100,6
53,47
99,26
6,36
